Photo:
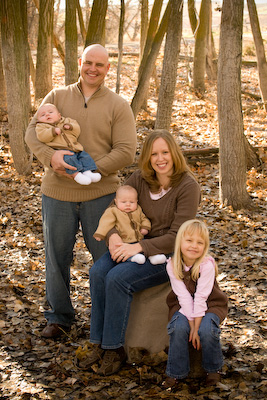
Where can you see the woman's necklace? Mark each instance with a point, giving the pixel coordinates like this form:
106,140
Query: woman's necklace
156,196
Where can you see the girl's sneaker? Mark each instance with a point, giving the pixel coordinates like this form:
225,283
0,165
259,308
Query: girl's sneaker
169,383
213,378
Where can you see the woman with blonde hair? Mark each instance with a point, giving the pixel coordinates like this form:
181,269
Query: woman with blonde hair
197,305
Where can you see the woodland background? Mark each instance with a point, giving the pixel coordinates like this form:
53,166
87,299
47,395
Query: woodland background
34,368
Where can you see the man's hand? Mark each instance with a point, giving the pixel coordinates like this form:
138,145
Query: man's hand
59,165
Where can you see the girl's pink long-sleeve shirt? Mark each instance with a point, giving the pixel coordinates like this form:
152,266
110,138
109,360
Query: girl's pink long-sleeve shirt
196,306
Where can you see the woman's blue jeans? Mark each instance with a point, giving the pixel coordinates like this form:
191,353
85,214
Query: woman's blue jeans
112,286
61,221
178,364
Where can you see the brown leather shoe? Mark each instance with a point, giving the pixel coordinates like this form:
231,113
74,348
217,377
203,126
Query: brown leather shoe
112,362
54,330
213,378
94,355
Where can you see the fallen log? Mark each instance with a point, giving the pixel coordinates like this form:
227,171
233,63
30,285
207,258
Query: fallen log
206,156
208,150
245,63
252,95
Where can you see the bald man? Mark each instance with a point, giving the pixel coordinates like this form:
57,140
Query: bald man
108,134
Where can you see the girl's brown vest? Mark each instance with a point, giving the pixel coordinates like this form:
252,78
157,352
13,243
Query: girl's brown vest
217,301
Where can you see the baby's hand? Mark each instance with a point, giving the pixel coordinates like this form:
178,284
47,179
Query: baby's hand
144,231
67,127
97,238
58,131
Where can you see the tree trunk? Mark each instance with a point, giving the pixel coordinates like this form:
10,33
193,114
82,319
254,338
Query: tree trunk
87,12
56,41
148,31
71,63
147,69
170,62
120,46
192,15
200,53
151,33
43,78
59,47
81,21
96,26
211,60
143,37
144,26
13,15
260,51
56,12
232,148
146,46
3,105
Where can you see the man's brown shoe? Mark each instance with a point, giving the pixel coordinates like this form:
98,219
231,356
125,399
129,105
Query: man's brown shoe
93,356
112,362
54,330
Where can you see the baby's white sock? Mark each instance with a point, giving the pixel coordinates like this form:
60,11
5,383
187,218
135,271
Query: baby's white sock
82,179
157,259
138,258
94,176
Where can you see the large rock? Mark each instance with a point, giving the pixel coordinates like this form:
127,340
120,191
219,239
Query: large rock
146,335
147,326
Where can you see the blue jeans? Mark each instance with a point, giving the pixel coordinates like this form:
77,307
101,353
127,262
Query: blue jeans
61,221
178,364
82,161
112,286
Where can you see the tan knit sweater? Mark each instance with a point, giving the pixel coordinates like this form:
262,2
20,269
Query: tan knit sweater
67,140
128,225
108,134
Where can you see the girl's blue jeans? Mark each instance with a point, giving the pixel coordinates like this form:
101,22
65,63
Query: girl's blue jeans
61,221
178,364
112,286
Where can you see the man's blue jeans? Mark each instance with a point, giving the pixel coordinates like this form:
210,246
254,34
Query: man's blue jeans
112,286
61,221
178,364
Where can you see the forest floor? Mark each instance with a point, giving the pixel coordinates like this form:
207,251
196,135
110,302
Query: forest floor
34,368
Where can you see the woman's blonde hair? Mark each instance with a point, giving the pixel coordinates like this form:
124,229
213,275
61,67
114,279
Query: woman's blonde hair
190,227
179,162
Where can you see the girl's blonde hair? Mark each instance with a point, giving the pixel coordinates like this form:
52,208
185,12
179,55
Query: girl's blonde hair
190,227
179,163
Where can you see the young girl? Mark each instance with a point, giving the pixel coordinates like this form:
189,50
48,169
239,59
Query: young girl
196,305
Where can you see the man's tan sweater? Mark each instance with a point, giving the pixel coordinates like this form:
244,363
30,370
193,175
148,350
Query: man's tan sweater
108,134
